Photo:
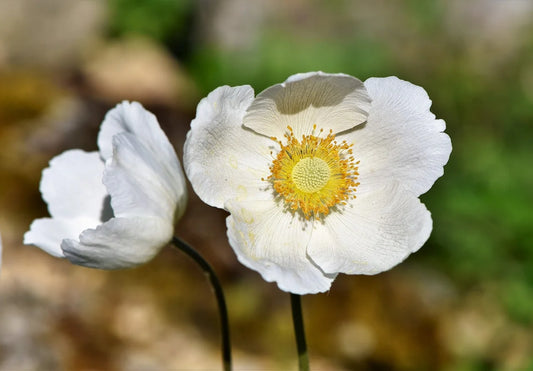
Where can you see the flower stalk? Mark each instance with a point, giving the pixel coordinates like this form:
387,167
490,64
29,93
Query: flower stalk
299,332
219,295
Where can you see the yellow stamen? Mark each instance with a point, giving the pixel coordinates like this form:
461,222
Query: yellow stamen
314,174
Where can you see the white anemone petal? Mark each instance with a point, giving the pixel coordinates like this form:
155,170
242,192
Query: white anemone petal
119,243
330,101
372,233
72,185
47,233
131,117
222,159
141,184
273,242
402,140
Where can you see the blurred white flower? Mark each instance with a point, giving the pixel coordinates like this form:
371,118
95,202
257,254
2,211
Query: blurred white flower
114,208
321,174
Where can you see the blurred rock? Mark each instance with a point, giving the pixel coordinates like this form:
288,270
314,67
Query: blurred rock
495,22
355,340
68,123
490,32
477,329
232,24
48,34
139,69
24,95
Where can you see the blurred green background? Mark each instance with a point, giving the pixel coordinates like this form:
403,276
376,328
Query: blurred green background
463,302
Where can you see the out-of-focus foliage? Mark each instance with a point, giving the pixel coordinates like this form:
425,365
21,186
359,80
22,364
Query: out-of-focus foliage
162,20
278,56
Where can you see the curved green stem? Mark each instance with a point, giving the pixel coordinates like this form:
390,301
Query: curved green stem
219,295
297,319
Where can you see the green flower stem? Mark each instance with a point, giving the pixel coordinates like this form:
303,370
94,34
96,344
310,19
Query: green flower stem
219,294
298,321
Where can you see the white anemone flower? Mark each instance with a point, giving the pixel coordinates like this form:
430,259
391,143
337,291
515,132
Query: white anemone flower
320,174
115,208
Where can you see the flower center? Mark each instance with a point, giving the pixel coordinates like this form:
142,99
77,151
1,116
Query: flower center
310,174
314,174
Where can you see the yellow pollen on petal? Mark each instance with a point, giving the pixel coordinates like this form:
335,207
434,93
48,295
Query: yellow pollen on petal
314,174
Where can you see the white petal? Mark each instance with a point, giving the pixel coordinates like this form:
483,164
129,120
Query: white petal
372,234
222,159
142,184
401,140
273,242
132,118
329,101
119,243
47,233
72,185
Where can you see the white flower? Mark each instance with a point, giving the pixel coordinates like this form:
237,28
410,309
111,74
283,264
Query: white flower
116,208
321,174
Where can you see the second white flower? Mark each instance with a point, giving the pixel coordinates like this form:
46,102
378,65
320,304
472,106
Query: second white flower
114,208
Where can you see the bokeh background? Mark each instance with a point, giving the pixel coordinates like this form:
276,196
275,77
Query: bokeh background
463,302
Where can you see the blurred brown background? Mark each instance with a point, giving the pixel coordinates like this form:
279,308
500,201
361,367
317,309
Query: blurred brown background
463,302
